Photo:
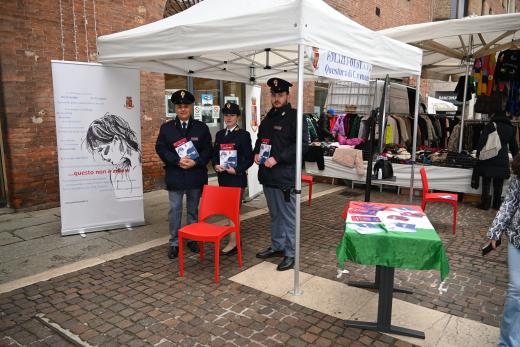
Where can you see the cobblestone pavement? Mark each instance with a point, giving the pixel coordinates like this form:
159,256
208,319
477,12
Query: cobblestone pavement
140,300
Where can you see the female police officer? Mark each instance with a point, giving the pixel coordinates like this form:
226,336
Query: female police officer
232,156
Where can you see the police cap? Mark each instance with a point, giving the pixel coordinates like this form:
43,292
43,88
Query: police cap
231,108
182,97
278,85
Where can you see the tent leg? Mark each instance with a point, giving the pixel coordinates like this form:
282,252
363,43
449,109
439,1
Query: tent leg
468,61
415,125
298,184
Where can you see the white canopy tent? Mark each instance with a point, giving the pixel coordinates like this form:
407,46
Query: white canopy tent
251,41
451,45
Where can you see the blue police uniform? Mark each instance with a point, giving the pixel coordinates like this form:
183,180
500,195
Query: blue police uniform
236,140
194,139
278,130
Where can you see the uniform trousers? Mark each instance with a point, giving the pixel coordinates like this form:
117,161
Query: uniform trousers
175,214
282,220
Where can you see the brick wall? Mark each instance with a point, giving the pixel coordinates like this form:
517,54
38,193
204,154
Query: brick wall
392,12
31,35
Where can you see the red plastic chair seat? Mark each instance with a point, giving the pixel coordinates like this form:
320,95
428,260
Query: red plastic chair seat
215,200
442,197
205,231
308,179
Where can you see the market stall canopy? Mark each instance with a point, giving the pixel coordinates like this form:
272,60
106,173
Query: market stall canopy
435,105
446,44
223,39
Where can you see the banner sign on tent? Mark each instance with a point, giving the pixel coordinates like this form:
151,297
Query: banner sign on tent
252,111
99,146
337,66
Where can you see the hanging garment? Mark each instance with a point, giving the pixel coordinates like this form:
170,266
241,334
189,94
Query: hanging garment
339,127
453,142
459,89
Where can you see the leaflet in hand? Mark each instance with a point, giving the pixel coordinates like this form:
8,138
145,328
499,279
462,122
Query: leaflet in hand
265,150
228,155
365,228
185,148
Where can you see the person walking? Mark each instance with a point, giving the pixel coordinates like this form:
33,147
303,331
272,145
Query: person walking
496,169
508,220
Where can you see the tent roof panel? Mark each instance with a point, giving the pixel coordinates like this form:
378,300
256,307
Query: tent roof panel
224,30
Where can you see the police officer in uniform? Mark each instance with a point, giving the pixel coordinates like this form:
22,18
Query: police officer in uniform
185,174
232,140
277,142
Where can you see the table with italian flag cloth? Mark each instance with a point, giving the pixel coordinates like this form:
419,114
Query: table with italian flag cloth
419,250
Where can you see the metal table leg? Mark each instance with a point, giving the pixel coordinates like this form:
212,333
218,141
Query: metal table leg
384,309
375,284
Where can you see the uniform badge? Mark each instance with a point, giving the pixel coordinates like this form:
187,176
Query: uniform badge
182,94
277,127
228,106
275,82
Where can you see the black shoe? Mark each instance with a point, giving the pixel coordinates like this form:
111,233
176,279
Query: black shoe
193,246
269,253
232,251
286,264
173,252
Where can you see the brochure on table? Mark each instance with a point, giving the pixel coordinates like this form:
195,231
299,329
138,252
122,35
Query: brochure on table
369,218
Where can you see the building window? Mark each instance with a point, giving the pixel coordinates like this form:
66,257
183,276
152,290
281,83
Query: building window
378,12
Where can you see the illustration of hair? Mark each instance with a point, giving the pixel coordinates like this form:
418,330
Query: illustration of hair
103,131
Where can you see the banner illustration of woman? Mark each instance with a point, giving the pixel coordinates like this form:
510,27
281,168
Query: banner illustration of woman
115,142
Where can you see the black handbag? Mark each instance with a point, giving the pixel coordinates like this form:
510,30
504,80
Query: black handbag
387,171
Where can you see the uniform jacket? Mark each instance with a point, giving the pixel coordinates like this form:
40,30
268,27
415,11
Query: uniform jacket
498,167
241,141
176,177
279,127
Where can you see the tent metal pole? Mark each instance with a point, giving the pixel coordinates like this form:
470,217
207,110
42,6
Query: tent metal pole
382,133
415,125
466,76
298,184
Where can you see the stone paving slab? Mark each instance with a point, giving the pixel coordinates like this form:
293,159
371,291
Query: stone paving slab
346,302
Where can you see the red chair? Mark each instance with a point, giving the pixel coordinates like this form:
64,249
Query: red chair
215,201
450,198
308,179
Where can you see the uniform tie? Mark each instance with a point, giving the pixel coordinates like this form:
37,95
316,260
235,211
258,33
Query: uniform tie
228,132
184,127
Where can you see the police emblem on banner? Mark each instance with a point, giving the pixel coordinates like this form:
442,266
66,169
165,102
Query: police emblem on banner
129,104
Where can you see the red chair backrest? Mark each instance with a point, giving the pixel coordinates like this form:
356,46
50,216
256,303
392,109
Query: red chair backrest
218,200
424,180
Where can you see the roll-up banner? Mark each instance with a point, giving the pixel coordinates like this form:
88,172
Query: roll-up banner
98,132
252,111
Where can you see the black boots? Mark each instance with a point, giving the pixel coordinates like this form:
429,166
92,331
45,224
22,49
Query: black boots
485,203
